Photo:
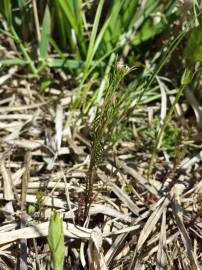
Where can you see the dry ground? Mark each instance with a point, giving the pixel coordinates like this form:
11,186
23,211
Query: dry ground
134,223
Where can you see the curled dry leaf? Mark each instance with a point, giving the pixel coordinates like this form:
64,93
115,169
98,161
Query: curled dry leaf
41,230
26,144
120,194
95,251
161,260
147,229
139,178
184,233
20,108
58,126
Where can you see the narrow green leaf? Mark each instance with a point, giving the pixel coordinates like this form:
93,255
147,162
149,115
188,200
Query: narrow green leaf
45,33
77,10
129,8
12,62
23,49
90,53
61,63
69,8
66,7
6,7
115,26
107,25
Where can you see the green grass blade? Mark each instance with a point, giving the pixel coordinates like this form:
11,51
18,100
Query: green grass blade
57,49
171,48
12,62
45,34
6,7
61,63
129,9
66,7
61,25
96,98
115,26
76,7
24,51
91,51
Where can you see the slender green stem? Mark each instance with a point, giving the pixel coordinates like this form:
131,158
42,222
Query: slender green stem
160,135
24,52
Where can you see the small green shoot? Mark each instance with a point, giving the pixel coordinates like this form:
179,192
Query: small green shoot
38,206
170,137
193,49
186,77
56,241
106,128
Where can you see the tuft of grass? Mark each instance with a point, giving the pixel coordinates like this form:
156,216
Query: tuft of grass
186,78
67,27
170,137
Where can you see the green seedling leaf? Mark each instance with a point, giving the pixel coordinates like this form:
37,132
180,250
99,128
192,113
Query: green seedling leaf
149,30
22,3
45,33
193,50
186,77
31,209
56,241
45,84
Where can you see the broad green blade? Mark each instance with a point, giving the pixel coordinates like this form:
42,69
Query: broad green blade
45,34
56,241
